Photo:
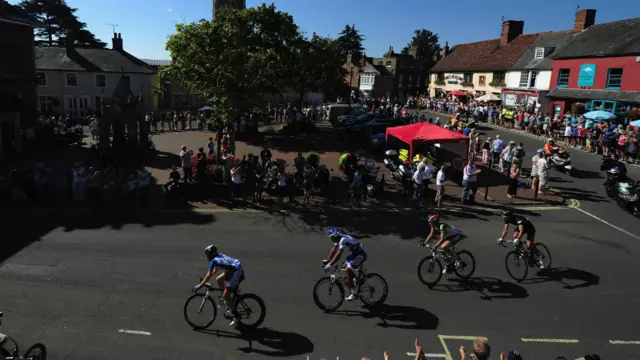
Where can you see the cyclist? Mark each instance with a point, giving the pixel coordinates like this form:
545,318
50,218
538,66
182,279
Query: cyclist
449,235
233,275
523,226
352,262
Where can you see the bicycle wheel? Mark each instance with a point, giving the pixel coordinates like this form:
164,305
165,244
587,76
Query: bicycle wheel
328,286
542,255
466,264
429,271
372,286
517,266
251,310
200,311
36,352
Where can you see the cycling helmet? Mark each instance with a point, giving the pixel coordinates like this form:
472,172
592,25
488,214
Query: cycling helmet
505,213
334,233
211,250
550,140
433,218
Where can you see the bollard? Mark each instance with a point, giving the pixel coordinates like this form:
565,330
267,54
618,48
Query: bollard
535,188
486,192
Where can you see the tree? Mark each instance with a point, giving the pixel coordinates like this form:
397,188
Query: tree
233,60
426,44
60,24
350,42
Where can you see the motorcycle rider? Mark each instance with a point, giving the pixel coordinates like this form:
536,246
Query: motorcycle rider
617,171
548,147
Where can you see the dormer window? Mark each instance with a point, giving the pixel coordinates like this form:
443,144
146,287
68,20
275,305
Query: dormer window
539,53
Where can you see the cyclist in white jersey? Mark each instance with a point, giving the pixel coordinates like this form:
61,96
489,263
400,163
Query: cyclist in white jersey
352,262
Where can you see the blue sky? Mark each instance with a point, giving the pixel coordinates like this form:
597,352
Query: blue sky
146,24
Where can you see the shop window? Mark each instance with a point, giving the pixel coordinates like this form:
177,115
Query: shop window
608,106
467,78
524,79
621,109
614,79
563,78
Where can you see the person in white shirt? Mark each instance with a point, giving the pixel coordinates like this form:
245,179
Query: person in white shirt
418,186
440,179
543,172
469,182
534,168
236,180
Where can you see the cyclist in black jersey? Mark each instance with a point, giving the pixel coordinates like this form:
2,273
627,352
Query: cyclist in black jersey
523,226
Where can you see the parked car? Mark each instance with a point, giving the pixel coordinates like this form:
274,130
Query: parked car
354,115
378,125
362,119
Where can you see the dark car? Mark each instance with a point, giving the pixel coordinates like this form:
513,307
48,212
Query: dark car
378,125
362,119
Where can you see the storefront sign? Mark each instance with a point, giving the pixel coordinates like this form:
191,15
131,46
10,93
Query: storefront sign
587,75
453,79
520,92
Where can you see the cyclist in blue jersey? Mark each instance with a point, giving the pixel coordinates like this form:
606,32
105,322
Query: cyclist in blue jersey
352,262
231,277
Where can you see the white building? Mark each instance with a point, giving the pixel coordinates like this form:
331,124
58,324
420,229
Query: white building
73,80
528,80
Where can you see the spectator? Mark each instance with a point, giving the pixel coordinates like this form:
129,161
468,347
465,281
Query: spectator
309,179
469,182
418,185
543,172
513,181
486,147
507,156
236,181
79,182
496,148
281,187
534,169
211,145
187,165
440,180
480,350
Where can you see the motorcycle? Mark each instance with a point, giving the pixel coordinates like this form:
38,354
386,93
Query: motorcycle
627,195
561,160
398,170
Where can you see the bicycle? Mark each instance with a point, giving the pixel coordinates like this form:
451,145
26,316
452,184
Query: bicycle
240,300
519,258
365,288
35,352
433,264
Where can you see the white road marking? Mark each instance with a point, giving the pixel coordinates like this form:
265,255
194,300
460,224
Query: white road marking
624,342
439,356
134,332
555,341
607,223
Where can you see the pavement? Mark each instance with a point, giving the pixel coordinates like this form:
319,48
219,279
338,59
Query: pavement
93,287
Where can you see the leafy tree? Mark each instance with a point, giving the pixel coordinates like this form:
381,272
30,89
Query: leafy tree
60,24
350,42
426,44
235,59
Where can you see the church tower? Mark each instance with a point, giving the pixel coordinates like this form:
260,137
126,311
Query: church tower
238,4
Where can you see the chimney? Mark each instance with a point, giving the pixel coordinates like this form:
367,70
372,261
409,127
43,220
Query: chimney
436,57
117,42
413,51
445,50
511,29
584,19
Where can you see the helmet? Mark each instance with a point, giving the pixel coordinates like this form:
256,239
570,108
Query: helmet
334,233
506,213
211,250
433,218
550,140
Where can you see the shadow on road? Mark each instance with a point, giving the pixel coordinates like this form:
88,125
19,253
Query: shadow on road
570,278
397,316
586,174
579,194
488,288
279,343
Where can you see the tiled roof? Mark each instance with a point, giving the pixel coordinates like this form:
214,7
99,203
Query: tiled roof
16,14
383,70
579,94
554,40
485,55
617,38
153,62
93,60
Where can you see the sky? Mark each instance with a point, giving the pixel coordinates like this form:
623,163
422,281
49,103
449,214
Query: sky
145,25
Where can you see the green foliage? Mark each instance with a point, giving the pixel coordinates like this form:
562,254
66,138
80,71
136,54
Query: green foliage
426,44
61,24
350,42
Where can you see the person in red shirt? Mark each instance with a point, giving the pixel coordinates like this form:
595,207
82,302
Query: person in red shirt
582,134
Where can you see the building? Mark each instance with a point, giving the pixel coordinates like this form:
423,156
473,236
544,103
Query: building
73,80
17,76
168,94
218,4
376,80
598,70
481,67
529,79
408,71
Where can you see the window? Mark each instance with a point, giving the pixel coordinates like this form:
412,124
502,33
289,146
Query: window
539,53
621,110
410,82
418,83
45,104
400,80
101,80
42,78
532,79
127,80
401,65
98,106
482,80
440,77
72,79
498,77
524,79
467,78
388,63
614,79
411,65
563,78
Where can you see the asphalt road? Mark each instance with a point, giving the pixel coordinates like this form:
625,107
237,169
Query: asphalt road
74,282
586,184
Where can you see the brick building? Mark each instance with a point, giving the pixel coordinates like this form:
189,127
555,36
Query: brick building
17,76
410,76
599,69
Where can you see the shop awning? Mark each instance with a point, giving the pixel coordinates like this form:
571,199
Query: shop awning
520,92
611,95
458,93
415,134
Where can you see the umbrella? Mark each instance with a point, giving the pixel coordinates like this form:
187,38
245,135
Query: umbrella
635,123
458,93
599,115
489,97
206,108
